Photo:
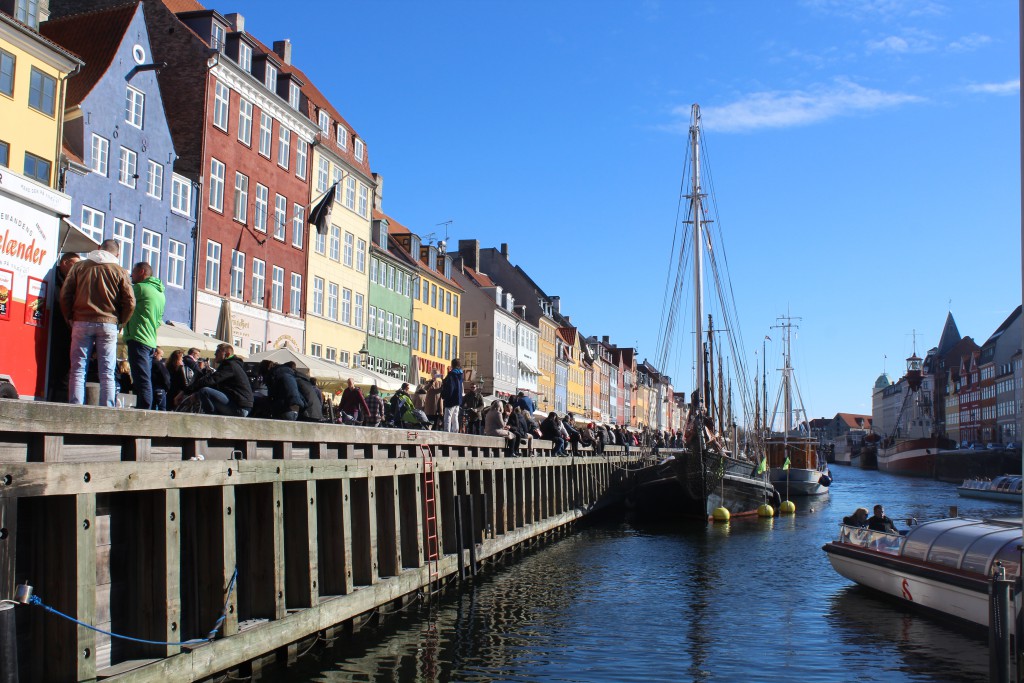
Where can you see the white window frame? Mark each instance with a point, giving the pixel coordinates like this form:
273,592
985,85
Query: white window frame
323,173
241,210
124,233
381,317
236,285
217,170
361,256
259,282
266,133
245,56
294,95
346,306
349,246
181,195
364,201
262,208
350,193
127,169
360,150
155,180
284,146
320,242
324,122
221,106
99,160
301,157
295,295
270,78
318,296
277,289
357,310
134,107
371,321
152,243
280,217
316,350
335,243
332,300
90,225
298,225
176,254
213,251
342,136
245,122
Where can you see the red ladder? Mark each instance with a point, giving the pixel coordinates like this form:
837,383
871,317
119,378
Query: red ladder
429,515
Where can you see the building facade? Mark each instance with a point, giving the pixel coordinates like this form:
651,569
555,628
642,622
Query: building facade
389,322
119,153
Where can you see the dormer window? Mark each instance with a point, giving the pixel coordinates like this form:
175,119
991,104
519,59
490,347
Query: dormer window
448,267
270,78
432,258
245,57
360,150
414,246
218,37
294,95
342,137
325,122
382,234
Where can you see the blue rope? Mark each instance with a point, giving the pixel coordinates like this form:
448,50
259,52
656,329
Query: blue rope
37,601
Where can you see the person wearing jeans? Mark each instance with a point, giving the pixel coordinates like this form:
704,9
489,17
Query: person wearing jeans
227,391
140,332
86,336
96,298
216,402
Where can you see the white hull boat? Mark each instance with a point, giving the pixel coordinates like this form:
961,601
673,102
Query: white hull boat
943,566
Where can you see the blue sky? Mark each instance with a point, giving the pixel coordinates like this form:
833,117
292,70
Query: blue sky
865,155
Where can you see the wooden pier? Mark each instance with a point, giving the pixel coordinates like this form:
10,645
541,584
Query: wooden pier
136,522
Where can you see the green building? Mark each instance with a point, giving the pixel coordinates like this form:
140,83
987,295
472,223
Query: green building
389,315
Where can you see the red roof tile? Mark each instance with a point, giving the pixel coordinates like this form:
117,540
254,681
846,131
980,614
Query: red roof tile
479,279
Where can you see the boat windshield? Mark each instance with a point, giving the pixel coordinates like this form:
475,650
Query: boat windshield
879,541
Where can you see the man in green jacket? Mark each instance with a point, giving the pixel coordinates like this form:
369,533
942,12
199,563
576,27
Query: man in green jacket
140,332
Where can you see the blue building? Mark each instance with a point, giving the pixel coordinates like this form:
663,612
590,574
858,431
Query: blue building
118,154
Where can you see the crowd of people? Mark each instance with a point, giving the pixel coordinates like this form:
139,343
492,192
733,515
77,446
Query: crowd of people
97,297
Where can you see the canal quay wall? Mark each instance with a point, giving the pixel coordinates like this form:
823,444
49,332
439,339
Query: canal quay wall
166,526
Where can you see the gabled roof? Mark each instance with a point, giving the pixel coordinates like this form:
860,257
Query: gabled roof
95,36
949,337
568,334
850,420
179,6
479,279
396,228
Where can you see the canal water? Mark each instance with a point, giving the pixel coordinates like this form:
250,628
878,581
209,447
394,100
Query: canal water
752,600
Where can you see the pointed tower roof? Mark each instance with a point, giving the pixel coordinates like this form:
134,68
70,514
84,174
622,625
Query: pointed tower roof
950,335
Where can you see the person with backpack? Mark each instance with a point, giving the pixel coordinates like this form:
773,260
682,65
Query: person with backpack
451,396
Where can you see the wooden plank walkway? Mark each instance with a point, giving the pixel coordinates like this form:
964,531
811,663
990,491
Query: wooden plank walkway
111,517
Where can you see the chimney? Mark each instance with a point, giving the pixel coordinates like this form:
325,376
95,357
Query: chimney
469,250
237,22
378,192
556,304
604,339
504,250
283,49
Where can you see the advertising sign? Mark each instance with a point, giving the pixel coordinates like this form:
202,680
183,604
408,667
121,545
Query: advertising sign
29,228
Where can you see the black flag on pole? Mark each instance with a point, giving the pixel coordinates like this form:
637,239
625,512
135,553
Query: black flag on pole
320,216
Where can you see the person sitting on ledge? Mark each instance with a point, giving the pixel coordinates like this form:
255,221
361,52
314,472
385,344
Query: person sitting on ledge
227,391
859,518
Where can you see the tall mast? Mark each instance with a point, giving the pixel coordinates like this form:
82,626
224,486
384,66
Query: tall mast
698,249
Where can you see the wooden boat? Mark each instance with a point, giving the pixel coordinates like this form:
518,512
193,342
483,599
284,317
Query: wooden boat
706,474
795,467
1005,488
943,566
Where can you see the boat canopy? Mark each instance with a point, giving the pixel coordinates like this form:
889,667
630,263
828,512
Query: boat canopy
966,544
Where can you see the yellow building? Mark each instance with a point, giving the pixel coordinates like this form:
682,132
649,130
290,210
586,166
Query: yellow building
337,294
574,388
33,83
436,302
546,355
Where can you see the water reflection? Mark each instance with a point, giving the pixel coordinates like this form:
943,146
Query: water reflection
752,600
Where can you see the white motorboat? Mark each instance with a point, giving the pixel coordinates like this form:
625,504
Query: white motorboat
944,566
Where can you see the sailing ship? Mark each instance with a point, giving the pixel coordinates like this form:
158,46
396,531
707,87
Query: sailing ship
795,467
912,445
709,472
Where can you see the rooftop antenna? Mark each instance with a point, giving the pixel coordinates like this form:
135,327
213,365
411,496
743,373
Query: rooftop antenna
442,246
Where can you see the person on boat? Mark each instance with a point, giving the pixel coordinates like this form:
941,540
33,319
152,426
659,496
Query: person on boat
879,522
859,518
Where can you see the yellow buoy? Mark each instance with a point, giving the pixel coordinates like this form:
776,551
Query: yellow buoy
787,508
720,514
766,510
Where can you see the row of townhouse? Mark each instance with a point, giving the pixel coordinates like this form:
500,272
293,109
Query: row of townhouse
166,126
970,394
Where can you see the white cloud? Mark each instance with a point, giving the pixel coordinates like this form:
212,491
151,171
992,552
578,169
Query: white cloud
1007,88
875,10
786,109
969,42
911,41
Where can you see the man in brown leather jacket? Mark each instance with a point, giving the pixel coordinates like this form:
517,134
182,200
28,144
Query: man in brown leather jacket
96,299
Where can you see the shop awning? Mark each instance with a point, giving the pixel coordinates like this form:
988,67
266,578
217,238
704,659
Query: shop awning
71,238
526,367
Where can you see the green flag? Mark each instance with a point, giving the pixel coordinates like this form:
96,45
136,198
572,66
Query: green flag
762,466
785,465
